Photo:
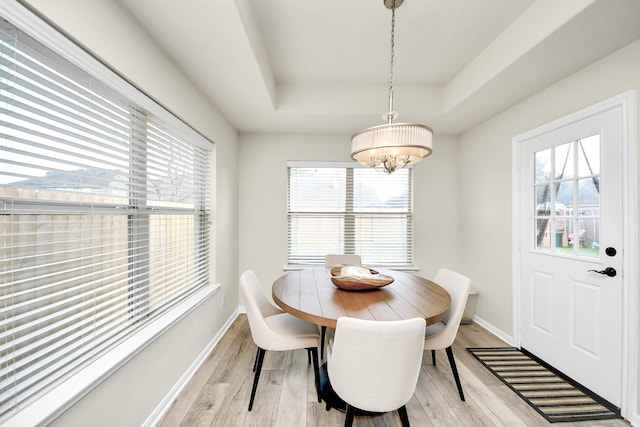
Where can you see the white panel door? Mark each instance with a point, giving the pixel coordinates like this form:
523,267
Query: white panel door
571,230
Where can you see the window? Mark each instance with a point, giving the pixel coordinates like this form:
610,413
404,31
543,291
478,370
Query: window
338,208
104,221
567,192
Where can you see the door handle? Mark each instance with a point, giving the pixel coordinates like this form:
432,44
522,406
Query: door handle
609,271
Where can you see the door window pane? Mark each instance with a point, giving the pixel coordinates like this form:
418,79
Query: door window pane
567,205
543,199
564,198
589,156
564,161
543,241
588,237
543,166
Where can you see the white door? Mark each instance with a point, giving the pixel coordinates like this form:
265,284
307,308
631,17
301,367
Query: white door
571,230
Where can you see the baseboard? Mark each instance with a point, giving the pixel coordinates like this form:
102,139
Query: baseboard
493,330
165,404
635,420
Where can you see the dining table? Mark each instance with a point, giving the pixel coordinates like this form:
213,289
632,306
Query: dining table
311,295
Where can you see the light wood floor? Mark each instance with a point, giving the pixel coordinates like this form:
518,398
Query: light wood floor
218,394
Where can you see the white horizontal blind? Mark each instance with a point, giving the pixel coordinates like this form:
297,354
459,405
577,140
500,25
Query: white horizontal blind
334,209
104,218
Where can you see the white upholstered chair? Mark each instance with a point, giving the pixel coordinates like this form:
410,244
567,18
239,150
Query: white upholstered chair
443,334
342,259
274,330
374,365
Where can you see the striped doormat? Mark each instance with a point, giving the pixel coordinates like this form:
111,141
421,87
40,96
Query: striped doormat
553,395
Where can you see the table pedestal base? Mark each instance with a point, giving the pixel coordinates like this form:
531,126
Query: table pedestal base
331,399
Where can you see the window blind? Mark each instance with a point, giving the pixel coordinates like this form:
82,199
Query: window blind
342,208
104,219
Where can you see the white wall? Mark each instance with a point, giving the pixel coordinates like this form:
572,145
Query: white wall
485,182
436,229
129,396
485,165
263,200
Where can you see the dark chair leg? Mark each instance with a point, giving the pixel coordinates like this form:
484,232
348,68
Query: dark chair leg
348,421
316,369
323,332
433,357
404,418
259,360
452,362
308,356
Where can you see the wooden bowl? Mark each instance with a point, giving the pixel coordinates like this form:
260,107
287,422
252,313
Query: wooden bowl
356,278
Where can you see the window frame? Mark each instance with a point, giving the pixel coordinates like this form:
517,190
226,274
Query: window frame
45,407
350,215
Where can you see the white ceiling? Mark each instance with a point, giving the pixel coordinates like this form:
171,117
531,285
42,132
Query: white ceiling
323,66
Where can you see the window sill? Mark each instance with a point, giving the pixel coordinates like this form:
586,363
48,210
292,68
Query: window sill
54,402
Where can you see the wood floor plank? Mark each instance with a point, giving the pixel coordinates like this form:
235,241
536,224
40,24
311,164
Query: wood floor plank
236,336
497,412
218,394
292,408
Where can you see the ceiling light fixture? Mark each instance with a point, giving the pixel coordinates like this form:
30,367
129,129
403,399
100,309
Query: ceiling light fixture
392,145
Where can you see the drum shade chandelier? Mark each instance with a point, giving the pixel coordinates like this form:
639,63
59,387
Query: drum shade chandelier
391,145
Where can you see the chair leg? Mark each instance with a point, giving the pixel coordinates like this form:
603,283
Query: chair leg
452,362
350,412
404,418
316,369
308,356
323,333
259,360
433,357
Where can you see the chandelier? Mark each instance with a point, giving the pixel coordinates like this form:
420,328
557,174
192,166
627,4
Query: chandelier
391,145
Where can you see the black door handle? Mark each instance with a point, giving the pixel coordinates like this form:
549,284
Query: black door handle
609,271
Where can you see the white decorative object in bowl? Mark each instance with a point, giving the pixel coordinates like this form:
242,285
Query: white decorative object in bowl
357,278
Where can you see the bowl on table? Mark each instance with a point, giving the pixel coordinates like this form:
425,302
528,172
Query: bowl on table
358,278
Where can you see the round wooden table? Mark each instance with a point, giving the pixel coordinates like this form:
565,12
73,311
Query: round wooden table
310,295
